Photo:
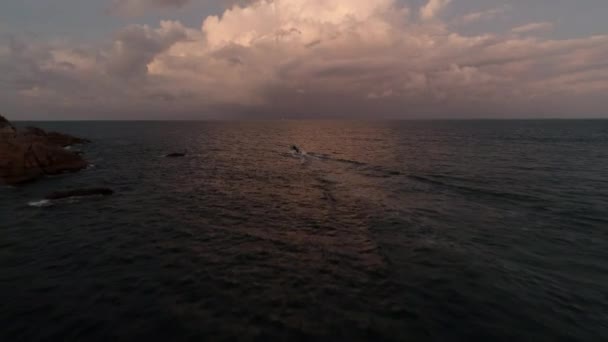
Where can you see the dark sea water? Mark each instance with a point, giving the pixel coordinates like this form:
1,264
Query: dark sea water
397,231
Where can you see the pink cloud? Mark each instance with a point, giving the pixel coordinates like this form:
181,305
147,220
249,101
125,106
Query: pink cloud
345,56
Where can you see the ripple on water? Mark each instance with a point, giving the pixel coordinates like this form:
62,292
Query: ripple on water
378,233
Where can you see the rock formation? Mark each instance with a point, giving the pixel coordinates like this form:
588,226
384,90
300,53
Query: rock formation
176,155
28,155
6,129
54,138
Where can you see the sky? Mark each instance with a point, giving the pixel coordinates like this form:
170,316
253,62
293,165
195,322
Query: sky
215,59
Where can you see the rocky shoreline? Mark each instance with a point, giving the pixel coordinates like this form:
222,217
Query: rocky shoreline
29,154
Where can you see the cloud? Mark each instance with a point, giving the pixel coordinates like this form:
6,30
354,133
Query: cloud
484,15
432,8
138,7
533,27
309,58
136,46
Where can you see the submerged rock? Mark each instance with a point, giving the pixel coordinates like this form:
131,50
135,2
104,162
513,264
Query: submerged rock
26,156
80,193
175,155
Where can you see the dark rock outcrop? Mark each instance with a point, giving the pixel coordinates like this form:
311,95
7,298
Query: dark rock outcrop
6,129
175,155
32,154
80,193
54,138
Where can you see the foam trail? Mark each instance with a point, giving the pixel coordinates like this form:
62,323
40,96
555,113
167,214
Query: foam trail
40,204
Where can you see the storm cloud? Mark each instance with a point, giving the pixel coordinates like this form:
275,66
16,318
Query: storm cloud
313,58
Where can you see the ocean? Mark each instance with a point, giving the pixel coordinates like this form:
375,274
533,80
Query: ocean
380,231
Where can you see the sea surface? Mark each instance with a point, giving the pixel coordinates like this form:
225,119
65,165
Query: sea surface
379,231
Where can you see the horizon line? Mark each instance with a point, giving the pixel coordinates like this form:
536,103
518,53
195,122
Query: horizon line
309,119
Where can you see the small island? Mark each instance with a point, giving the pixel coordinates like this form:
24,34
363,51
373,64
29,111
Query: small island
32,153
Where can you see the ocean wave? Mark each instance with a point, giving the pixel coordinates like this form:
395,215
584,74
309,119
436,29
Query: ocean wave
472,189
40,203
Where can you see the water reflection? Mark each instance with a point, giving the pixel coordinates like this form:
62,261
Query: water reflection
390,231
